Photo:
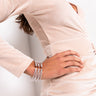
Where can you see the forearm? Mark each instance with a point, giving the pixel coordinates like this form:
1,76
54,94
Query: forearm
30,69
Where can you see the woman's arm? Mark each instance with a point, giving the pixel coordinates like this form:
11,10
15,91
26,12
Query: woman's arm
30,69
10,58
16,62
60,64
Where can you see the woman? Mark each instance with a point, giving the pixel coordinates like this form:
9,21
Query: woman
59,28
17,62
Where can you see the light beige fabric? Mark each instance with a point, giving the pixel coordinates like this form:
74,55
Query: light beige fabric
59,28
10,58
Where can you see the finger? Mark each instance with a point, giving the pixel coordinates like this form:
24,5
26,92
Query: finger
72,58
71,63
68,52
71,70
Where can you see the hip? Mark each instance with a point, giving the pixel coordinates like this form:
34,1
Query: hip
81,83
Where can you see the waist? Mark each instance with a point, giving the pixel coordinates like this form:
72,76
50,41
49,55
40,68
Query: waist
81,45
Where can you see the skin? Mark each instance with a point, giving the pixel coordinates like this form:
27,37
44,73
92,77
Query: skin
74,7
60,64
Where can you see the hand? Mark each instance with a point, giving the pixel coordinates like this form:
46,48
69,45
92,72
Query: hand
60,64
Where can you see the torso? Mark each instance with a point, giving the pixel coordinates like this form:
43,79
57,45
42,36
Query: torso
60,28
56,22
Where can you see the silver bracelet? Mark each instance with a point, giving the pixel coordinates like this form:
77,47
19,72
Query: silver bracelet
35,72
38,71
41,71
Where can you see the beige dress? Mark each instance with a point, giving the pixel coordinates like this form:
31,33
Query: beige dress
59,28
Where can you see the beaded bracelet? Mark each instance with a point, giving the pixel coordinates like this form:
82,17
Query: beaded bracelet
38,71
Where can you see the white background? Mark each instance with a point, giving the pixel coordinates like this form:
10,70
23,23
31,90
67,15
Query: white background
30,45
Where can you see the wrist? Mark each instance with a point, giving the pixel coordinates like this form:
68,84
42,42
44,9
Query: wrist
30,69
38,71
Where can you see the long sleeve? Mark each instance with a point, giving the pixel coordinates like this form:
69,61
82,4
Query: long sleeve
10,58
9,8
